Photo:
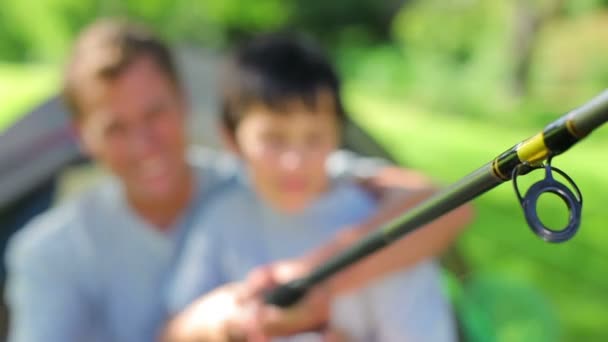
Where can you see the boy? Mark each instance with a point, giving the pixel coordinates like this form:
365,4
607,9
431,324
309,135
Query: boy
282,116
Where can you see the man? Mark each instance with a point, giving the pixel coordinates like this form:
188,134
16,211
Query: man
93,269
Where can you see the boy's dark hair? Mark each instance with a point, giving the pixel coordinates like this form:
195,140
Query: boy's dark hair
272,70
105,50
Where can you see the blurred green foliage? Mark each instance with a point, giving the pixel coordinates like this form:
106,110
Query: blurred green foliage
445,85
41,30
22,87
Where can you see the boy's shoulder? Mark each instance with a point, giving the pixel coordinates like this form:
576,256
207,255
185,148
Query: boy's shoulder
238,197
232,200
346,193
236,204
345,203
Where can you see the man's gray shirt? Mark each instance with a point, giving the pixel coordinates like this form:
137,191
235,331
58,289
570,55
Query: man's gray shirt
93,270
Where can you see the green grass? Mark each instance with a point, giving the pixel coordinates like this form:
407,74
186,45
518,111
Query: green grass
22,87
572,275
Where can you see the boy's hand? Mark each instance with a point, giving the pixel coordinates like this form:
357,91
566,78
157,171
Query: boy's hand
214,317
310,314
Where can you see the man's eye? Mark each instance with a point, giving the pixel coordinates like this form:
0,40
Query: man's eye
115,130
152,116
157,112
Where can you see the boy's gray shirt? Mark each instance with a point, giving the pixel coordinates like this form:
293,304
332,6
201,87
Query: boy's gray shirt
241,232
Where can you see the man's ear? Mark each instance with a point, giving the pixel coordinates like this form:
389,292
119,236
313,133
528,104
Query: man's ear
185,104
80,137
229,140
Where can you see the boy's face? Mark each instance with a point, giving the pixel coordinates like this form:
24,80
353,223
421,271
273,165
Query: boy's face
286,152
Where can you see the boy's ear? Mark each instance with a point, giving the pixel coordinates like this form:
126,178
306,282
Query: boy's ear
229,140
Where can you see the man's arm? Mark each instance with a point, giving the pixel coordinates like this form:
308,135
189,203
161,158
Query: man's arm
398,190
43,294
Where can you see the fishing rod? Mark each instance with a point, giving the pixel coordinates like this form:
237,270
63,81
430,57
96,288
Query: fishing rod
533,153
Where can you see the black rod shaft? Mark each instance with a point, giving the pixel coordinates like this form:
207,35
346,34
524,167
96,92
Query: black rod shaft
469,187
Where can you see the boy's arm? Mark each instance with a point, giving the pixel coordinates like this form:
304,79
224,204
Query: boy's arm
196,294
209,318
196,271
398,190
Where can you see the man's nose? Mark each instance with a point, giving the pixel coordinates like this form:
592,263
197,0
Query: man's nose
142,141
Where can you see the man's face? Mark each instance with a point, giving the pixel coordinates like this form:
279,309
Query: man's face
134,126
286,153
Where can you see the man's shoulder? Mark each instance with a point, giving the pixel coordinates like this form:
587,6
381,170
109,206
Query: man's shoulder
350,165
212,162
61,232
46,237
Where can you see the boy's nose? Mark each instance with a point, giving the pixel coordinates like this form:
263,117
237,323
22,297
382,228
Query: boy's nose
292,160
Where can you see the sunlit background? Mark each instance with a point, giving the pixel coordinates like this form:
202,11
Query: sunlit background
442,85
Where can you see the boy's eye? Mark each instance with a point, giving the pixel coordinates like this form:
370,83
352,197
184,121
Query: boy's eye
313,140
274,139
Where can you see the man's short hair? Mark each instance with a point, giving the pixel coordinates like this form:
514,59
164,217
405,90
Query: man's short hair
271,70
104,50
